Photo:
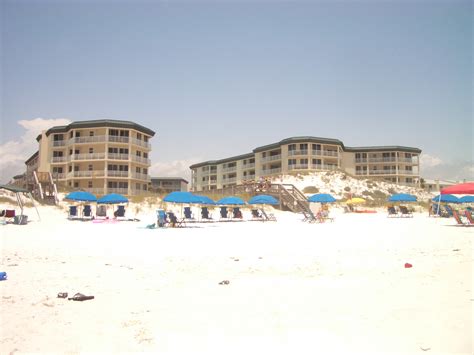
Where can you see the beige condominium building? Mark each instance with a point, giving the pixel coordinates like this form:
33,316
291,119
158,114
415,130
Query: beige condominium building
99,156
396,164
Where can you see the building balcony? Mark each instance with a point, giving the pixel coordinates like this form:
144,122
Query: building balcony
59,143
118,156
297,152
325,153
229,181
86,174
382,160
382,172
361,160
139,176
229,169
141,143
141,160
96,191
59,160
117,190
271,158
118,139
407,172
249,177
271,171
117,173
248,166
298,167
324,167
90,156
87,139
58,176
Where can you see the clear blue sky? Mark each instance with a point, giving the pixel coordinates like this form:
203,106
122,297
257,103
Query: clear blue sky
216,79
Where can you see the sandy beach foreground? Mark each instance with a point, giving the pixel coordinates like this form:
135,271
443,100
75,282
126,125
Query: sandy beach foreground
293,287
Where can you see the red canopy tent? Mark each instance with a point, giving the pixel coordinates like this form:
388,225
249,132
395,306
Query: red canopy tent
466,188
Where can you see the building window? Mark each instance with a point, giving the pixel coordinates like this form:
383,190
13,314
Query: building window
139,136
291,147
90,167
137,186
76,184
113,132
145,187
89,184
138,170
91,150
91,133
78,134
291,161
70,168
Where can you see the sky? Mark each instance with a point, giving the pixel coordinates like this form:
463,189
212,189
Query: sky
216,79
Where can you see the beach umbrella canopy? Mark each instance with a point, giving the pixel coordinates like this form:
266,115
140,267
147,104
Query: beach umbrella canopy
467,199
322,198
205,200
355,200
466,188
263,200
230,200
402,198
181,197
112,199
82,196
445,198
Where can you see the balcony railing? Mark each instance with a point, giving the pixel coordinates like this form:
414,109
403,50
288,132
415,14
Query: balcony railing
324,167
118,139
229,181
86,173
117,173
382,160
117,190
271,171
58,176
248,166
325,153
141,160
90,156
141,143
118,156
96,191
271,158
407,172
298,166
249,177
59,159
297,152
361,160
140,176
229,169
87,139
59,143
382,172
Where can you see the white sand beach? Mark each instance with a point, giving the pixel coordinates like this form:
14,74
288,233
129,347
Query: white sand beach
293,287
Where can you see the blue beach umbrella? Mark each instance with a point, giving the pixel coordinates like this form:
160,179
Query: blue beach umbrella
230,200
263,200
112,199
402,198
82,196
181,197
206,200
322,198
446,198
467,199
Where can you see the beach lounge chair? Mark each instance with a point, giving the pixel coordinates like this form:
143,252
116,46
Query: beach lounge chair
101,211
256,215
405,212
72,212
449,210
468,215
236,213
310,217
120,212
205,216
188,213
173,220
392,212
459,221
268,216
87,212
223,212
162,220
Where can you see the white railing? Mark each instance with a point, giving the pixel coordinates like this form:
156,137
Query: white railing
248,166
96,191
87,139
297,166
382,172
361,172
90,156
118,156
140,176
323,167
229,169
361,160
140,160
59,160
117,173
118,139
249,177
408,160
407,172
297,152
86,173
325,153
59,143
58,176
271,158
271,171
141,143
229,181
382,160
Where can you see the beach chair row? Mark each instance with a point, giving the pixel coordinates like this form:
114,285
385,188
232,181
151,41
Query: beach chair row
464,219
74,213
401,212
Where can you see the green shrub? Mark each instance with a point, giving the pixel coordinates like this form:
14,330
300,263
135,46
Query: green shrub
310,190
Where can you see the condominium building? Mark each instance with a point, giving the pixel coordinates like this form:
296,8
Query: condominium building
100,156
396,164
168,184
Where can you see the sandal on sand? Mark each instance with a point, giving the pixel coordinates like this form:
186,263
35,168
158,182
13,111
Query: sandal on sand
80,297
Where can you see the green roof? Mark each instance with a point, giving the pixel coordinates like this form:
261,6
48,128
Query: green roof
99,123
13,188
222,161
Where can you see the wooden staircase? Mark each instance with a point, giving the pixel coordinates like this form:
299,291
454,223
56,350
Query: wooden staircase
291,199
45,189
